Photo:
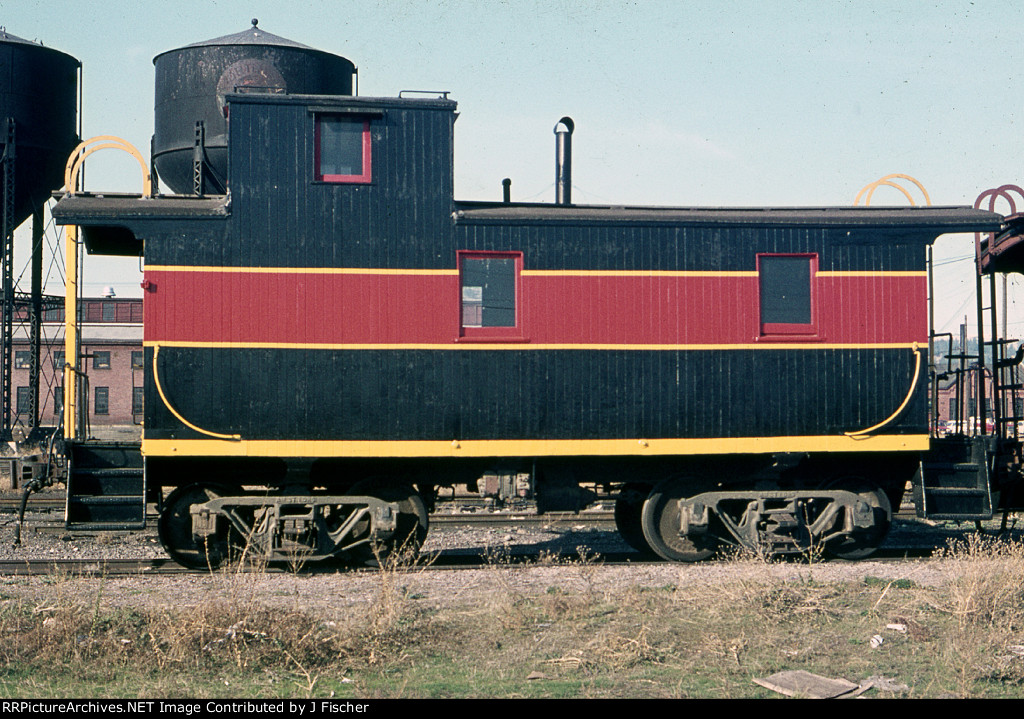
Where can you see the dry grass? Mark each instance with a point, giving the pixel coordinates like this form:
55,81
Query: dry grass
986,583
559,621
985,597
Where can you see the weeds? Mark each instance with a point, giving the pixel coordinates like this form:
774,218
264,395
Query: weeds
562,619
985,596
986,582
507,600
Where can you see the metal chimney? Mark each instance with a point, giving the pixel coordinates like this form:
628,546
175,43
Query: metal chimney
563,161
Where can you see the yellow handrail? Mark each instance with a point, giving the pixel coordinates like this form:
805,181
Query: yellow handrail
108,142
71,172
887,182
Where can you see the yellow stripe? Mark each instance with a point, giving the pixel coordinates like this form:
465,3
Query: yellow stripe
300,270
636,273
530,447
528,346
525,273
869,273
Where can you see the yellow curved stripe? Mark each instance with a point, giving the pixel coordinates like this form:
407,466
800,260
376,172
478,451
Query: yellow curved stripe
177,415
906,400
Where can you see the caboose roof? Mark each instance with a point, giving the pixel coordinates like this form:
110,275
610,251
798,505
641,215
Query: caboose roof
940,219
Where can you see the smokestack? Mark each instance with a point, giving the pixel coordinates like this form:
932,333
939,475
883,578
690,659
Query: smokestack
563,161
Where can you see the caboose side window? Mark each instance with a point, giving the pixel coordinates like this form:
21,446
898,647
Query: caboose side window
342,149
489,292
786,293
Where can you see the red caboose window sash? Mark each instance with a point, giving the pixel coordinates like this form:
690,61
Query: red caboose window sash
490,292
342,149
788,296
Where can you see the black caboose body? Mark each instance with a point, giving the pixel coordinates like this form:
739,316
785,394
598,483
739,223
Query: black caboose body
334,336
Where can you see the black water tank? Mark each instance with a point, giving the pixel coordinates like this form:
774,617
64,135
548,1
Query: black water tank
39,90
191,83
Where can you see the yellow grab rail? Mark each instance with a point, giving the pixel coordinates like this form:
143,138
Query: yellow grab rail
72,170
887,181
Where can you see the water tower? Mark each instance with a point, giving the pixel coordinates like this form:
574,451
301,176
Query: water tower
38,111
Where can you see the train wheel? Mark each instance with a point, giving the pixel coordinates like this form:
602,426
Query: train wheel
175,529
629,508
410,530
660,522
863,543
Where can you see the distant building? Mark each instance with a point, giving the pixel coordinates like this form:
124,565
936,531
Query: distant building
111,346
956,410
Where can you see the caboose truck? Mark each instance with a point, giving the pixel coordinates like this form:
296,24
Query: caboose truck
330,336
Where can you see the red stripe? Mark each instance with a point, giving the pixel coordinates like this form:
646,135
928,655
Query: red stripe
290,308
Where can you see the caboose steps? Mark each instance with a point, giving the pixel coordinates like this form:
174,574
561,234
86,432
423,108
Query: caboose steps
952,481
106,486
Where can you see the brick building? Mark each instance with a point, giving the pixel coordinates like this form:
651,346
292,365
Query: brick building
111,345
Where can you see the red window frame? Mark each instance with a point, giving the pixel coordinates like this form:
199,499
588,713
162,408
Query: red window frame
788,330
367,175
512,333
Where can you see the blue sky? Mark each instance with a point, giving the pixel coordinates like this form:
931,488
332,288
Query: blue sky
675,103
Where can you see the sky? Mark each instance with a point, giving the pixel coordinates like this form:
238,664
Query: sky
744,103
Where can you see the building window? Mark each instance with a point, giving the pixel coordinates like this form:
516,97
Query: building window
138,400
109,312
489,290
138,359
54,315
101,400
342,149
58,360
22,359
58,400
786,293
24,400
101,360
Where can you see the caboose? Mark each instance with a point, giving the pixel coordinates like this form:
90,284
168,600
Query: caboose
330,336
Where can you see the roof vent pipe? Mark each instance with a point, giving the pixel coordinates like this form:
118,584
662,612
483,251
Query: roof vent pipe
563,161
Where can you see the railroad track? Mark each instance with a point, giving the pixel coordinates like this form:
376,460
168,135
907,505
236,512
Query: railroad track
35,504
603,519
557,519
451,558
83,568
